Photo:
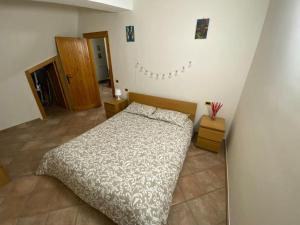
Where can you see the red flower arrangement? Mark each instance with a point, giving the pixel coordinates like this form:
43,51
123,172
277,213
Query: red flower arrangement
215,107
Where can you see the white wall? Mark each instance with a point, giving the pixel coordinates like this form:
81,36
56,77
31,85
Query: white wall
164,41
165,33
264,148
27,38
100,63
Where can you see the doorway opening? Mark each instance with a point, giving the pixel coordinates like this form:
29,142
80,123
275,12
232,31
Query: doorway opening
99,52
99,49
45,84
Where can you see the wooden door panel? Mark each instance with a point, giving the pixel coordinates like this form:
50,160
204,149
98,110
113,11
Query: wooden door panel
57,89
62,80
76,63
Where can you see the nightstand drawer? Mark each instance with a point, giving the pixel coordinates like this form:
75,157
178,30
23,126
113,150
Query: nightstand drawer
208,144
109,114
122,105
110,107
211,134
113,106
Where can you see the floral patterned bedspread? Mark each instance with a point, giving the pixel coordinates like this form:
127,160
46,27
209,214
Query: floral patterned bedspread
127,167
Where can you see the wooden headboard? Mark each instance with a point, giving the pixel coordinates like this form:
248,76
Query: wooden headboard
165,103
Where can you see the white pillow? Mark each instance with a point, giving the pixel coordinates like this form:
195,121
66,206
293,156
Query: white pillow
140,109
170,116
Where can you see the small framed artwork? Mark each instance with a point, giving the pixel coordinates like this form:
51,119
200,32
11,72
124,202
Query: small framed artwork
130,33
202,29
99,55
98,48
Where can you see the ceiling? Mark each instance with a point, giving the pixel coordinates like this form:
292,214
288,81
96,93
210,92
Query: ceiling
103,5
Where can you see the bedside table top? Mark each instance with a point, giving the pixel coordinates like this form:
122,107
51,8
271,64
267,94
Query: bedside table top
114,101
217,124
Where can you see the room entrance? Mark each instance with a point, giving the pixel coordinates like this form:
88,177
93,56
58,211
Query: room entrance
99,49
74,79
47,88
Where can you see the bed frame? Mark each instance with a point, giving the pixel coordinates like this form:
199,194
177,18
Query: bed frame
165,103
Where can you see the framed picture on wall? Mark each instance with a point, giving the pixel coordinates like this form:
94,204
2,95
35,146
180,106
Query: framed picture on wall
201,28
130,33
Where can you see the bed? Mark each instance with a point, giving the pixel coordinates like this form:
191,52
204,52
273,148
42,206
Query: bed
128,166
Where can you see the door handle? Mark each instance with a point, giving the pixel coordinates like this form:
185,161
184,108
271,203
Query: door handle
68,76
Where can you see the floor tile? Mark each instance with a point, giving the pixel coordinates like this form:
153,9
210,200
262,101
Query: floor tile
12,207
19,169
33,220
4,161
202,162
11,149
220,172
31,145
89,216
52,121
178,196
209,209
5,190
23,186
46,182
63,217
202,211
63,198
1,200
185,171
219,198
193,150
24,136
38,202
207,181
11,221
189,187
181,215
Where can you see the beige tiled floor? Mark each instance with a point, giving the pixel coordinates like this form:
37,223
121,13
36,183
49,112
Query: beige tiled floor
199,198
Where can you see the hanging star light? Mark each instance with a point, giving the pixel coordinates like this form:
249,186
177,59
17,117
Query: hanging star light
183,69
152,74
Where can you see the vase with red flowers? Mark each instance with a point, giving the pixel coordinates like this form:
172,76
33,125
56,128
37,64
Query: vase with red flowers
215,107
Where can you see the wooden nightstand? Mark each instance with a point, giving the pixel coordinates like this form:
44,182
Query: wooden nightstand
114,106
211,133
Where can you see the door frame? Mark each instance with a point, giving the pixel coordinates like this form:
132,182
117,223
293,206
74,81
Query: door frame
54,61
101,34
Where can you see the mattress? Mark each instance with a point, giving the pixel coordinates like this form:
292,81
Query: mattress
127,167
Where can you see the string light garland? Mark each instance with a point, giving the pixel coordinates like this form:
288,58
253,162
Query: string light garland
162,76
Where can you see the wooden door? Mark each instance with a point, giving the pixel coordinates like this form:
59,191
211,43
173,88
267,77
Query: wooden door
79,75
63,81
59,98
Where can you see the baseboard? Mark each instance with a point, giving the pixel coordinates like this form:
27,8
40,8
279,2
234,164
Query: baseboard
227,185
17,124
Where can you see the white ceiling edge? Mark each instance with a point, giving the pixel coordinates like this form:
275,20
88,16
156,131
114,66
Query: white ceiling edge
103,5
